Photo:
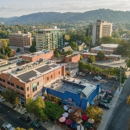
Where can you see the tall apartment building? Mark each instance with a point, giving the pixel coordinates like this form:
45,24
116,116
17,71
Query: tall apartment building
19,40
50,38
99,29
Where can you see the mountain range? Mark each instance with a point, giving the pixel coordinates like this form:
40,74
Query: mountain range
70,17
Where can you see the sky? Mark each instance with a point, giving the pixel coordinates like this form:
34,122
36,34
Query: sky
10,8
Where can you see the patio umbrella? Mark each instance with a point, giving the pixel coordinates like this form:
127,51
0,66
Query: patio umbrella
68,122
65,114
84,117
91,120
80,127
70,110
88,125
65,107
74,125
62,119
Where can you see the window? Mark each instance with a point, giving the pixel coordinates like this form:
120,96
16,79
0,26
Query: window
37,83
59,72
28,95
12,84
34,89
8,82
51,76
17,87
22,88
47,78
0,79
27,88
3,80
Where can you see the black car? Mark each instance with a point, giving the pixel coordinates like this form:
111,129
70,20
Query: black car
25,118
103,105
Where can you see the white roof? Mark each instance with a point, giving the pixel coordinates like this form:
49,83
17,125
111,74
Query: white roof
110,45
88,89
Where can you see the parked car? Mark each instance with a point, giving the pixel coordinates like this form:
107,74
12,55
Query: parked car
25,118
103,105
81,73
105,100
7,126
97,78
35,124
107,97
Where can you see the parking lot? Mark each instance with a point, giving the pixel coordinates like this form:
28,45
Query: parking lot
107,84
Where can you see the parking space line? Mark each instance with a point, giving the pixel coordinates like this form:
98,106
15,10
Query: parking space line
1,118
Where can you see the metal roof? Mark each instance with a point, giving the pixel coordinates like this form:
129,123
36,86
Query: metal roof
43,68
88,89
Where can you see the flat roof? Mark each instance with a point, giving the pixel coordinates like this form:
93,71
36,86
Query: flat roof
72,55
110,45
43,68
37,53
26,76
99,48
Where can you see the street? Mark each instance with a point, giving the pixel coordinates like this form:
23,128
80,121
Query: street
9,115
121,114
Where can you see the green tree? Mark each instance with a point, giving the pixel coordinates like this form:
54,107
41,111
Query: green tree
128,63
53,110
74,45
58,55
94,112
115,34
8,51
91,59
100,55
81,57
33,47
10,96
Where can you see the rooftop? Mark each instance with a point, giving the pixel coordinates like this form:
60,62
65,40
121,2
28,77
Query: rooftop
32,70
110,45
72,55
72,85
100,48
37,53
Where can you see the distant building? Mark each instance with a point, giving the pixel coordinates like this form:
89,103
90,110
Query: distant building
19,40
50,38
99,29
81,45
106,48
74,58
32,57
67,48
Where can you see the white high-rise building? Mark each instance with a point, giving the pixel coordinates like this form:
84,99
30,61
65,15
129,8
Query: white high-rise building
99,29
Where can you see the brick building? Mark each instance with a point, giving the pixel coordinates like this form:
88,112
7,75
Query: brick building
72,58
46,54
28,80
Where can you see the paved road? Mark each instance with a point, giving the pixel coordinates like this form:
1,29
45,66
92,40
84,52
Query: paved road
121,114
9,115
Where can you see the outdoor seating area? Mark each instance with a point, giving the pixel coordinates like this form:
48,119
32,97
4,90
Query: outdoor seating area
75,119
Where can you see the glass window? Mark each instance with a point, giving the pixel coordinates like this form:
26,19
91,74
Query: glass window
27,88
12,84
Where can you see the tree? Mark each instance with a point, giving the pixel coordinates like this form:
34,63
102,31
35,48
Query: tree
94,112
58,55
8,51
17,101
128,100
74,45
67,37
10,96
81,57
91,59
33,47
100,55
53,110
128,63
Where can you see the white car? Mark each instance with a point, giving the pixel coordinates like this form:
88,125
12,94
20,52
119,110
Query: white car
81,73
97,78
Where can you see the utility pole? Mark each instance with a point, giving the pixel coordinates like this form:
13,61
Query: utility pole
120,80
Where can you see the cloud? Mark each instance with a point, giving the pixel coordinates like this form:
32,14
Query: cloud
17,9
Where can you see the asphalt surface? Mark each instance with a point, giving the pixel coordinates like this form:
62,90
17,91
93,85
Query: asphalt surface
121,114
107,84
7,114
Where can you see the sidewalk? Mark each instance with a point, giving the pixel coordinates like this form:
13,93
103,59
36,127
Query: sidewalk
107,113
